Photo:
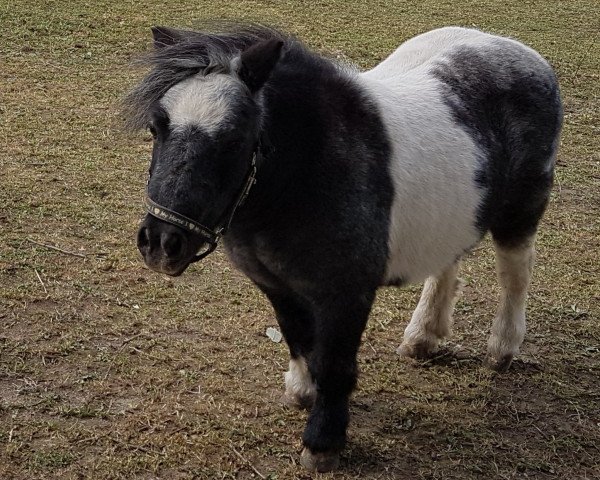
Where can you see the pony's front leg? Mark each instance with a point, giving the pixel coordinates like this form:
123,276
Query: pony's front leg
332,363
297,325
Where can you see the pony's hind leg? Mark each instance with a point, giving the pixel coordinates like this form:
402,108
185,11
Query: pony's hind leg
514,265
432,319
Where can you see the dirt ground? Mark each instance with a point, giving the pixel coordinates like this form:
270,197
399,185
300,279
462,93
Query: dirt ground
111,371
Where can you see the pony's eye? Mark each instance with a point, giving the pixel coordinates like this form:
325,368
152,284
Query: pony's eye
152,130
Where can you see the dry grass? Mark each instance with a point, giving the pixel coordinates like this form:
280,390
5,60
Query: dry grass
109,371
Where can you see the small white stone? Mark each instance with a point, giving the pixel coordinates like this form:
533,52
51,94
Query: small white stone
274,334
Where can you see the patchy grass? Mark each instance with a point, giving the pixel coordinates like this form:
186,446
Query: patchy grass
109,371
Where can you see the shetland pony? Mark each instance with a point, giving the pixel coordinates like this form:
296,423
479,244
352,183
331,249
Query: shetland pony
326,183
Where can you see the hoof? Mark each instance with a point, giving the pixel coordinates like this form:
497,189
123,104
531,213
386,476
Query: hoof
319,462
500,365
296,402
419,350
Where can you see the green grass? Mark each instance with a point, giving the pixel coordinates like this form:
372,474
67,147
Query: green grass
110,371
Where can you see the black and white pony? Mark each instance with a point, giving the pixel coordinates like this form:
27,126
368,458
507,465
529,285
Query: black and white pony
351,181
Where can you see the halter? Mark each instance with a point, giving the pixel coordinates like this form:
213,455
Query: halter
211,236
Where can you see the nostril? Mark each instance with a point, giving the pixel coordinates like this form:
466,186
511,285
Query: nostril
172,244
143,239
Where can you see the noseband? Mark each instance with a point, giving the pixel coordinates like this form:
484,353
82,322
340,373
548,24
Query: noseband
211,236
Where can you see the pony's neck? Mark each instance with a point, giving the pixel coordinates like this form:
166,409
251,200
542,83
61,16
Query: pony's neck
312,116
297,119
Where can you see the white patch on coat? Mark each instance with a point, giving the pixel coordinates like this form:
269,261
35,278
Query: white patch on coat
433,159
513,266
433,168
426,47
298,381
202,101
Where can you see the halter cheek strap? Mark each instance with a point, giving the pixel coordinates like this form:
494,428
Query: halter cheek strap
210,236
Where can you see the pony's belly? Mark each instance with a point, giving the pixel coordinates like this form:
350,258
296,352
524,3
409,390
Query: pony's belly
431,229
411,262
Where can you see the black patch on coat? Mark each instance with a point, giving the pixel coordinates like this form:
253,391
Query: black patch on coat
313,233
507,99
315,227
320,208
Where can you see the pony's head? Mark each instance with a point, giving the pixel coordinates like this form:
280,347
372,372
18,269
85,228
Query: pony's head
201,103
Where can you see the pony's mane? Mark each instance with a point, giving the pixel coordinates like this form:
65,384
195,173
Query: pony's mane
195,52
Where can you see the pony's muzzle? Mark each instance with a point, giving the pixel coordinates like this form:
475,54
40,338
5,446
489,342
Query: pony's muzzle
163,247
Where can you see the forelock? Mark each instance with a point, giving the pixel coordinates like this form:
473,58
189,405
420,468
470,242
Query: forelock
207,102
168,72
200,53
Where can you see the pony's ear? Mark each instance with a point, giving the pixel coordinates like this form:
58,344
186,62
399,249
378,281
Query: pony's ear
258,61
165,36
